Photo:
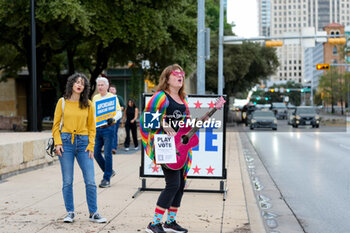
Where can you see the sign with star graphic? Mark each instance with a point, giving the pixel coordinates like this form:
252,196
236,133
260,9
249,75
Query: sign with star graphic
208,157
152,120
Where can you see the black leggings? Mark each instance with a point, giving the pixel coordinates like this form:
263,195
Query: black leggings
174,188
130,126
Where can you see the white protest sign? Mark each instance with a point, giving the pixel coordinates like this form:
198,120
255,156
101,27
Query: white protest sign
165,150
208,158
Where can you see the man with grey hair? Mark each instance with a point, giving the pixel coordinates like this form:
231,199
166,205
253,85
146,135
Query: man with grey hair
105,134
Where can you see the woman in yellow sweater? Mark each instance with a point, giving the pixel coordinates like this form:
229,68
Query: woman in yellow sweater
76,139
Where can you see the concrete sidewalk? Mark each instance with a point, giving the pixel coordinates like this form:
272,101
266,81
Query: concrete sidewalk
33,202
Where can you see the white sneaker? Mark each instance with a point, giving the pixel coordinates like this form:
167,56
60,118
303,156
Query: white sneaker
96,217
127,149
136,148
69,218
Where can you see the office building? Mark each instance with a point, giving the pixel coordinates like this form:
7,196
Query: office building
289,17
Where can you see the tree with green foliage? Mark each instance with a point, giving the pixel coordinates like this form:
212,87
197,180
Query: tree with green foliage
333,86
92,35
245,65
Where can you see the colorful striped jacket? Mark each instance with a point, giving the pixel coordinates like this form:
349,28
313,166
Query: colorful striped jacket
160,102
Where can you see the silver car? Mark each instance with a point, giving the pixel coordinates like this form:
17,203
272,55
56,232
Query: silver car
263,119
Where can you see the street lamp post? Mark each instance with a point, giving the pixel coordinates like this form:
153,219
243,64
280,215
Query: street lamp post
221,38
34,123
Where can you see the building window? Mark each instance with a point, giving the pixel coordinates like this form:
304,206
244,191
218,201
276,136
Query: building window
335,50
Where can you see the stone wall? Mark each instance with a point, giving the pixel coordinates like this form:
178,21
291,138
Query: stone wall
25,152
22,151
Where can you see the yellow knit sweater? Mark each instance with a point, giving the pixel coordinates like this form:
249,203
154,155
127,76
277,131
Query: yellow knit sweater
75,121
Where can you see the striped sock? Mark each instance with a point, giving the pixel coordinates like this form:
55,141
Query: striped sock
171,215
158,214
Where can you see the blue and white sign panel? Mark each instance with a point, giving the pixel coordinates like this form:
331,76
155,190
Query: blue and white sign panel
208,158
105,109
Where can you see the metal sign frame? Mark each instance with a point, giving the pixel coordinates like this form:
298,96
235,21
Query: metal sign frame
224,172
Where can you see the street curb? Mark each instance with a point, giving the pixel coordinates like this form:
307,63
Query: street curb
276,214
254,216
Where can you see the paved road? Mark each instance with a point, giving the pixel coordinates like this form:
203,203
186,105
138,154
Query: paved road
311,169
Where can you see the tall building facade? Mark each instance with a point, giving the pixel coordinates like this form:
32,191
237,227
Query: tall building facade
289,17
264,17
313,56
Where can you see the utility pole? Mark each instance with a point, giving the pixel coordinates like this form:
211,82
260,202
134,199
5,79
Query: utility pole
200,47
221,38
312,91
34,113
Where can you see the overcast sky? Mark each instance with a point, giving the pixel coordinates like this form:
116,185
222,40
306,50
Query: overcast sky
244,13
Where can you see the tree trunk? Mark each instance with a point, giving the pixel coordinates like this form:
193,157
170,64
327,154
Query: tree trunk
102,58
70,58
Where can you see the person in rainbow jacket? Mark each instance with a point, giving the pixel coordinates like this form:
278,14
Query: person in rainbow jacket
170,103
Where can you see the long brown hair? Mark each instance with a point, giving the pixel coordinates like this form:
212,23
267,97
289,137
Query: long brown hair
84,96
164,78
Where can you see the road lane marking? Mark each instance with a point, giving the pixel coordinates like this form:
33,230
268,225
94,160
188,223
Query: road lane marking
346,147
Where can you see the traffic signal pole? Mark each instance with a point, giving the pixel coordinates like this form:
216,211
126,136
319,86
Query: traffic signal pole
272,42
235,39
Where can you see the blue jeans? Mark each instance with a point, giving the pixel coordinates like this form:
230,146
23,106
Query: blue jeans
115,139
77,149
104,137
